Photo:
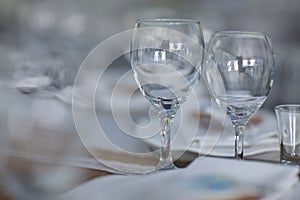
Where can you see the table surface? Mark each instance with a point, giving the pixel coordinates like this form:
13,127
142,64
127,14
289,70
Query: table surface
87,174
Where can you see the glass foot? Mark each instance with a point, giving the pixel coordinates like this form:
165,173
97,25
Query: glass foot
165,166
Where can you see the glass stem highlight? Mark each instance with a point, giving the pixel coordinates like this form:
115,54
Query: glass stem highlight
165,160
239,141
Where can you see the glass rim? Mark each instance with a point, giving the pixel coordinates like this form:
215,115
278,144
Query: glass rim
167,20
288,108
239,33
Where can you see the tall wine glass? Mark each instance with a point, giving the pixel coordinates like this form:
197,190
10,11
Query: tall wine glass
166,55
242,64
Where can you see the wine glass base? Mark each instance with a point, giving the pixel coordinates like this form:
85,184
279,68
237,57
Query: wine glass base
157,169
164,167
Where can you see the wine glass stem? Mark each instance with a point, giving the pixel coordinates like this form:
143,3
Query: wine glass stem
239,141
165,153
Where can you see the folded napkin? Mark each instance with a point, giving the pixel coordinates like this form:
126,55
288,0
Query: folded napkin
206,178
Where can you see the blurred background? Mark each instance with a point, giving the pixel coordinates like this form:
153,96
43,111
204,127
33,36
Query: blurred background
43,43
53,37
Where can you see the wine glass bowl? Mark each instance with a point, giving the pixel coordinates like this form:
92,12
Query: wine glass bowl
166,55
244,62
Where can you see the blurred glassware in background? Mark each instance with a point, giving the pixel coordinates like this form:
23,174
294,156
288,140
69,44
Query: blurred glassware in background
39,77
70,29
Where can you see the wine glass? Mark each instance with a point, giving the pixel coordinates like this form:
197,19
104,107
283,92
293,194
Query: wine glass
166,55
239,72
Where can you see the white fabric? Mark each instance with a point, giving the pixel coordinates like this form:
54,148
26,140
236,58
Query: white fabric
208,178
